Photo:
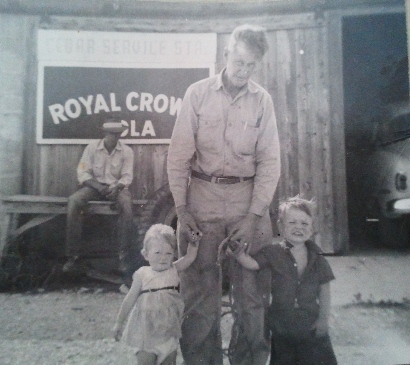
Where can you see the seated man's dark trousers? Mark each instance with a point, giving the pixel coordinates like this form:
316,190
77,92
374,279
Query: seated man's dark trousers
77,203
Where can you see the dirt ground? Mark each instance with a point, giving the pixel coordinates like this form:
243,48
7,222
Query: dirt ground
73,326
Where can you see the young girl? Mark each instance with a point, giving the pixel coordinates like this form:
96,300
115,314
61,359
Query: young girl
154,325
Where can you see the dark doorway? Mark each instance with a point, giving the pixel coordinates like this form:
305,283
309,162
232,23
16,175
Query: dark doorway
375,70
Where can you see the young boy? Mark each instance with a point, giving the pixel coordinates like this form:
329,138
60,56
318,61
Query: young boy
298,314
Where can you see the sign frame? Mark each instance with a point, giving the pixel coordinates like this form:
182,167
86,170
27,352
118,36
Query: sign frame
64,56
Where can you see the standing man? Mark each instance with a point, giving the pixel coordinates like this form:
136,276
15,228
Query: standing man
223,168
104,173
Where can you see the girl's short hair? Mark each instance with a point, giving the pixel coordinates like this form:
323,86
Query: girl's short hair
307,206
159,232
253,36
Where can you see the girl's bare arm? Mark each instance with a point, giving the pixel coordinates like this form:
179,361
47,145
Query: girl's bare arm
129,300
185,261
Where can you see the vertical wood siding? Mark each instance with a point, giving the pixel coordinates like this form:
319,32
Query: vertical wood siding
299,83
14,53
337,133
296,73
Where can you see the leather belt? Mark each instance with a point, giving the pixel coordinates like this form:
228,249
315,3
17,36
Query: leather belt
220,179
157,289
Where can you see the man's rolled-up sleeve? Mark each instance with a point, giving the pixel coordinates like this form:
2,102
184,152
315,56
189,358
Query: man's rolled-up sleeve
267,160
182,149
85,166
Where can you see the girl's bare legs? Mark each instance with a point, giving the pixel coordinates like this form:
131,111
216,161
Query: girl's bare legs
146,358
171,359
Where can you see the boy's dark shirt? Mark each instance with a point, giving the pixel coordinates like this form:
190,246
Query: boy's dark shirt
294,307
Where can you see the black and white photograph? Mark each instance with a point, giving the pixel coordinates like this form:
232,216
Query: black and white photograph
217,182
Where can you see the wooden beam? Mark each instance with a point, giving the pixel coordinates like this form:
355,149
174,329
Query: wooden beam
177,9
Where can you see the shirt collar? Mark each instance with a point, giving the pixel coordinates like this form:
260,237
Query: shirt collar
310,245
102,147
251,87
288,245
313,247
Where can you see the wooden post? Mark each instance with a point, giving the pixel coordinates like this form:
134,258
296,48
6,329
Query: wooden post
408,33
9,226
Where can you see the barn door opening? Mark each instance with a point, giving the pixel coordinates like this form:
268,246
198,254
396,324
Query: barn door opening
375,74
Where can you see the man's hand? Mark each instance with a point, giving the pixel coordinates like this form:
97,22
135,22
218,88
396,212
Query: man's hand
103,190
321,326
187,224
94,184
244,230
236,249
192,248
112,193
117,332
229,248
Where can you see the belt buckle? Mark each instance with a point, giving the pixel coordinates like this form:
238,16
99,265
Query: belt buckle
221,180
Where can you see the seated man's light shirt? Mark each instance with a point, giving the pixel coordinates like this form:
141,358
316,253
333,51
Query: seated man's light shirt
97,163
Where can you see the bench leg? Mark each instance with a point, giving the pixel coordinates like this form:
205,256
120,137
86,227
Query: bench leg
9,225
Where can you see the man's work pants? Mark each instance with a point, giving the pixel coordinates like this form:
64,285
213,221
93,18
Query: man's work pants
216,207
77,203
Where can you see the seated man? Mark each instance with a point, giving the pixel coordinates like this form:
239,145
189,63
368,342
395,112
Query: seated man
104,173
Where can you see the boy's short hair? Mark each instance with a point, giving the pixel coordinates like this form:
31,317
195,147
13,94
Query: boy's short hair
159,231
253,36
296,202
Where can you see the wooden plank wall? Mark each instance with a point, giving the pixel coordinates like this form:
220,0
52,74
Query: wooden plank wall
299,83
296,73
337,137
13,56
54,168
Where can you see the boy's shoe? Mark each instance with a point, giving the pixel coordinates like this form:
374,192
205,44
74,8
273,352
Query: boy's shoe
74,264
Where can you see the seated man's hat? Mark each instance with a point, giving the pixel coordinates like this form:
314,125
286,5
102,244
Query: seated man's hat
113,127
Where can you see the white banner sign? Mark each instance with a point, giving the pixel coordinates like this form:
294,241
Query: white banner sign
138,78
135,48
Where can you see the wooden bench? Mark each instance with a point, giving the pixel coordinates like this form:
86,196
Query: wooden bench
43,209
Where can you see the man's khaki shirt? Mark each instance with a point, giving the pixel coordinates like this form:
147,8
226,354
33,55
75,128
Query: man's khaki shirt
97,163
220,136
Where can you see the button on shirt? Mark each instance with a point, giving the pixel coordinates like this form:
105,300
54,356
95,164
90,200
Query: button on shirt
294,306
106,168
220,136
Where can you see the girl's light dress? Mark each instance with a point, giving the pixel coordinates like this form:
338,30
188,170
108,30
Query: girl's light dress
154,324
